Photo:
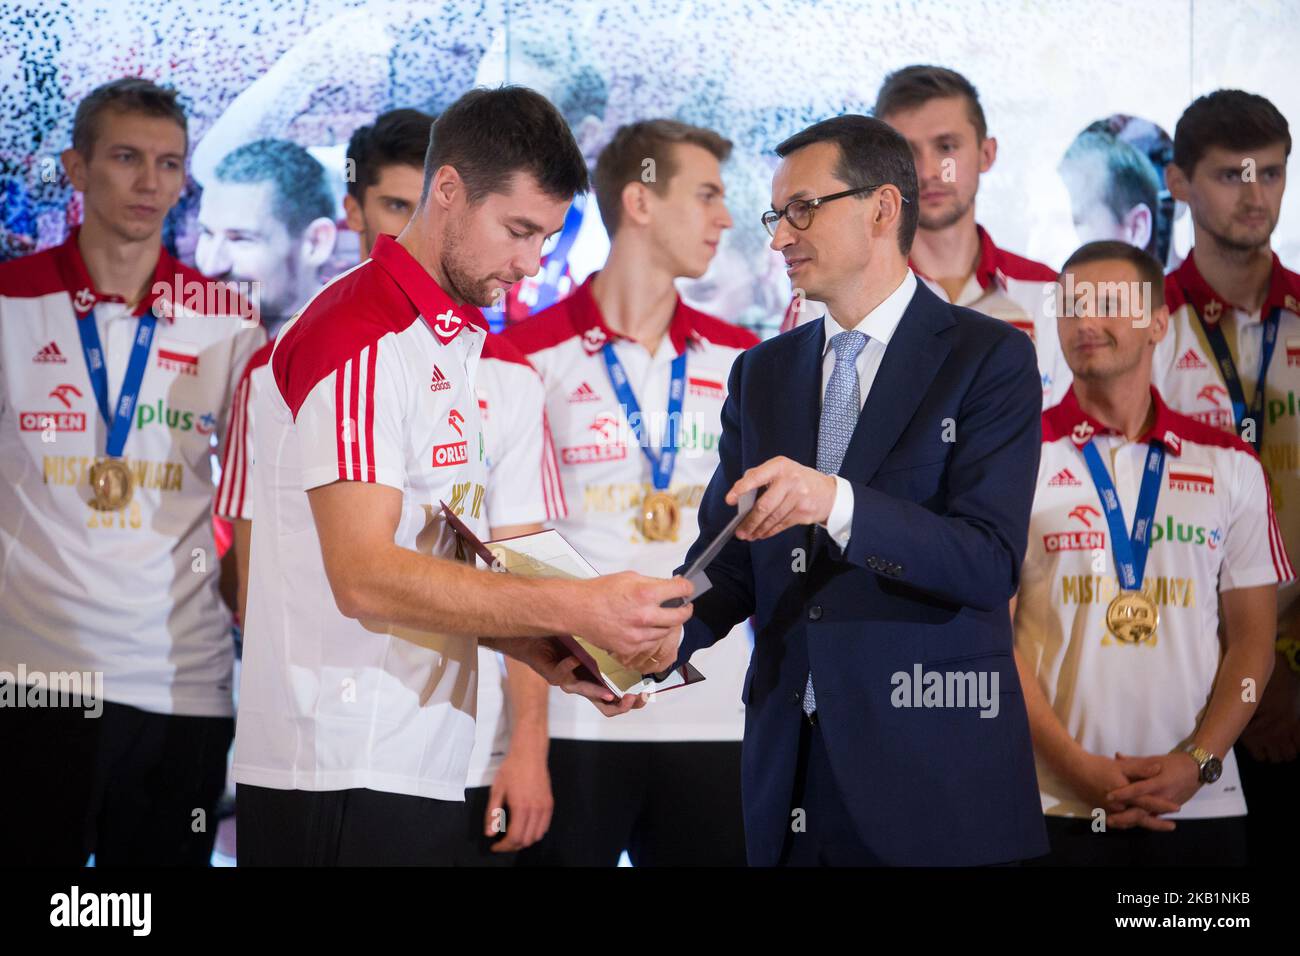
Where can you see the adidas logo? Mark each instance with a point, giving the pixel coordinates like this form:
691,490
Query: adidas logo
583,393
50,355
1190,360
1064,479
440,382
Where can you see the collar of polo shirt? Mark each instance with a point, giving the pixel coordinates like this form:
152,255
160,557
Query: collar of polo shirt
425,294
1068,418
84,295
591,328
1283,291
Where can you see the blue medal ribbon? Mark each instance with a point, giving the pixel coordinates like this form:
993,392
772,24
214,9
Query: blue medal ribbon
1129,550
119,419
662,461
1241,410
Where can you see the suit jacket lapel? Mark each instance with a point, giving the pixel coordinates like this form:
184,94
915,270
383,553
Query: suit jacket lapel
798,408
909,366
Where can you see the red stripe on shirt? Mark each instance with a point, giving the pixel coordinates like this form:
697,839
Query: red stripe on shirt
370,413
341,413
354,412
556,506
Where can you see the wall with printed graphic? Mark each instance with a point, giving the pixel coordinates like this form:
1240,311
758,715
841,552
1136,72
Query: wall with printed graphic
1054,76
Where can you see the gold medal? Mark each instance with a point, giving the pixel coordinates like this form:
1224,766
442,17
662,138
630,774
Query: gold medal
660,517
111,484
1132,617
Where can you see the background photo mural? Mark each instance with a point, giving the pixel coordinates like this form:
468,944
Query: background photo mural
1071,94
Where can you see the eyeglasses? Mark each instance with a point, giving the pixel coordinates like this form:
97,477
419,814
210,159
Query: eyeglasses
799,212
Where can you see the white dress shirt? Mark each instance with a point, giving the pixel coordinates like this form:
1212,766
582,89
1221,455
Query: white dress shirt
878,325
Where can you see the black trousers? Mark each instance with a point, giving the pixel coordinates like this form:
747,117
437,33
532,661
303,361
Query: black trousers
346,828
667,804
1220,841
475,848
1273,796
820,830
132,787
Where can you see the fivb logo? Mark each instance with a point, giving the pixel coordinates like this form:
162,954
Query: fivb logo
75,908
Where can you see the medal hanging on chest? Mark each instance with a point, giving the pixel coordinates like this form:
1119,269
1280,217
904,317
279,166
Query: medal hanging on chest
1132,617
660,517
112,484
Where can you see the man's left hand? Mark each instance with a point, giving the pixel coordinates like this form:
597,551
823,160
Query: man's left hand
1178,778
793,494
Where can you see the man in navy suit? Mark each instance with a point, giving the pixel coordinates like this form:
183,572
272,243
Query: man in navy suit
896,441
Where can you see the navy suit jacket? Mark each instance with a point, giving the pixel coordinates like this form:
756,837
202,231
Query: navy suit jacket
943,463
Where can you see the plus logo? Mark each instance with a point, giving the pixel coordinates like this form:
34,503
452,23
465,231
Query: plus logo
1082,433
63,391
1084,513
83,301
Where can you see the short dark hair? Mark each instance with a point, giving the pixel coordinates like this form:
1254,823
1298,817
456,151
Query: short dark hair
1231,119
489,135
1105,250
620,162
396,138
872,153
1130,179
914,86
130,94
300,190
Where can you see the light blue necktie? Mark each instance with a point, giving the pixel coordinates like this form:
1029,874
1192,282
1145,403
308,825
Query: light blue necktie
840,409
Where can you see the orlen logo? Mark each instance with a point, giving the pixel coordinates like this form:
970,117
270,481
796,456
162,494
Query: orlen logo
61,393
454,453
590,454
59,421
1211,394
1074,541
1085,513
606,426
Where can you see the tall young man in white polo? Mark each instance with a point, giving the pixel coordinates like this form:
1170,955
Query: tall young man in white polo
1144,524
939,114
360,669
624,349
118,367
1232,360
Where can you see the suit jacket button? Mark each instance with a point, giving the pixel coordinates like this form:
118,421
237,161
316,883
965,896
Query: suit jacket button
815,612
898,569
872,563
796,698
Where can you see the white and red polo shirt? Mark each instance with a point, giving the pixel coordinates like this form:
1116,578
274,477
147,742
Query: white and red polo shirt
1213,531
131,593
372,382
606,475
1187,374
234,490
523,488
